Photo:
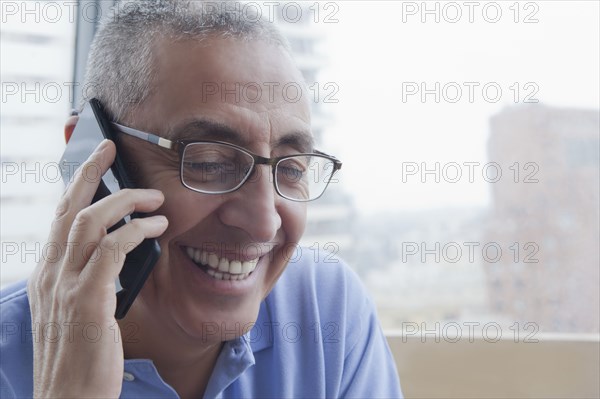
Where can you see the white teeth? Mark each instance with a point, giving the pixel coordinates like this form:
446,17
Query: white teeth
213,260
247,267
222,268
235,267
226,276
223,265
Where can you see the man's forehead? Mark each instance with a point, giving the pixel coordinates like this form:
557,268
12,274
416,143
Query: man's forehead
241,90
251,74
254,64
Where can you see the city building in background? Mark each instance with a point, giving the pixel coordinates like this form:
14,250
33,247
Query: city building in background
546,213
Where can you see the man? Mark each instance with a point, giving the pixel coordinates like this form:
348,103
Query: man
232,308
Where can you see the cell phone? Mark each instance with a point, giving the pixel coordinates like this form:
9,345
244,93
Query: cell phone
93,127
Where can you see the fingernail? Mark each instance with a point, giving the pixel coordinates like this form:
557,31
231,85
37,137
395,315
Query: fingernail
155,193
161,220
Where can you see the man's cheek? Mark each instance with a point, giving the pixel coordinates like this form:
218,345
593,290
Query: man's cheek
294,221
176,228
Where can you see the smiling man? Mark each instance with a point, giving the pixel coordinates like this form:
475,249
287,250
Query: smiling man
232,308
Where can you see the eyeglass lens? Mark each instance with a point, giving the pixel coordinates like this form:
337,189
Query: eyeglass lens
219,168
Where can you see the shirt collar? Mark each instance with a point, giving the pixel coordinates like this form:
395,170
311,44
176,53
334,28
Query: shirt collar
236,357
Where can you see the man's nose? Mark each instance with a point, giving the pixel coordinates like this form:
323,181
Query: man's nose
254,206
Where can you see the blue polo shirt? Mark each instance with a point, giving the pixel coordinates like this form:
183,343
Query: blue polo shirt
316,336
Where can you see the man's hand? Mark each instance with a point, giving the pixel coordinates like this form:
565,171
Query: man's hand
72,291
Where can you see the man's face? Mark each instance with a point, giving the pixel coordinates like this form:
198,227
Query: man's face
252,223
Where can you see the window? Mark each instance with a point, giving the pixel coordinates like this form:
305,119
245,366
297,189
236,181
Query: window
469,147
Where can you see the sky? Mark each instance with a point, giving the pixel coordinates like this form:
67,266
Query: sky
381,56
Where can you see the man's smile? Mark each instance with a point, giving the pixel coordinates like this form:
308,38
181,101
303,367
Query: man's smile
221,268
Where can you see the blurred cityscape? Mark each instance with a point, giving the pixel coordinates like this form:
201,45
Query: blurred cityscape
531,257
438,265
556,212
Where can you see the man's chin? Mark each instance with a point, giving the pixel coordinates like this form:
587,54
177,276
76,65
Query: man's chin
219,330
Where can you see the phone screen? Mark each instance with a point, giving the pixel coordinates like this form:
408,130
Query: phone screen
93,127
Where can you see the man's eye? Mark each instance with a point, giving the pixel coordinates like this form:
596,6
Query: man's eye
207,167
290,171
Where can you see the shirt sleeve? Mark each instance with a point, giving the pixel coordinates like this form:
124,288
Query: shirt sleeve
369,368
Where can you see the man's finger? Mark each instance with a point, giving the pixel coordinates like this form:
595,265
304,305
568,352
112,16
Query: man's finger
81,190
107,261
91,224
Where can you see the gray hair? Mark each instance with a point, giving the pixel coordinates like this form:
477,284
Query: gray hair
120,67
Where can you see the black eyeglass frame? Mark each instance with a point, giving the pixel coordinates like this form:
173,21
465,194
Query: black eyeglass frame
180,145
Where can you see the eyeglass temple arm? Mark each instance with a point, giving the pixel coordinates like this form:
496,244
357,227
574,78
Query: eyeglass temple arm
145,136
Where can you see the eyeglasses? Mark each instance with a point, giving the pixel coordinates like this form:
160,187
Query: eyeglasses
216,167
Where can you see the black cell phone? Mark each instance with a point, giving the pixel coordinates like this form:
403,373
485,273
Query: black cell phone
93,127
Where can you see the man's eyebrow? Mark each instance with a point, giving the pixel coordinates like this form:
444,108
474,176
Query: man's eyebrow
206,129
301,141
201,129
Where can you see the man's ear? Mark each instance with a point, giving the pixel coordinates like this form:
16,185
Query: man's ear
70,126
